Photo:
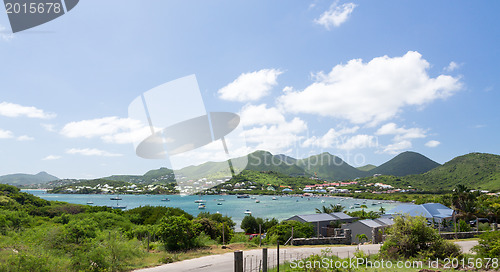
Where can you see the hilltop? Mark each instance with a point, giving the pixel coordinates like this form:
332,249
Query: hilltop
27,179
406,163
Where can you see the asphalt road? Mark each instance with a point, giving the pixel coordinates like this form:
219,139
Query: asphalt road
224,262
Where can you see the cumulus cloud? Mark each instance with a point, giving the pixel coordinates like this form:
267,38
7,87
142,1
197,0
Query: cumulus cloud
452,66
401,133
25,138
260,115
372,92
276,138
14,110
91,152
51,158
250,86
432,143
110,129
332,138
397,147
6,134
335,15
358,142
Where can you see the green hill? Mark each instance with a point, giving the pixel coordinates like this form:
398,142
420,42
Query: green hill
27,179
475,170
265,161
329,167
406,163
367,167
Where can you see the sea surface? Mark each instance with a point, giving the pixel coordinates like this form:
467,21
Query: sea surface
283,207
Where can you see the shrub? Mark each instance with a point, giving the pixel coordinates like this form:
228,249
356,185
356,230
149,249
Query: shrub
489,245
283,231
178,232
411,237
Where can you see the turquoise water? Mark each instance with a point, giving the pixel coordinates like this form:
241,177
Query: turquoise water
282,208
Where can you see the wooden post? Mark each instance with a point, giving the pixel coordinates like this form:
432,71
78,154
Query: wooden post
264,260
260,235
223,238
149,237
238,261
278,256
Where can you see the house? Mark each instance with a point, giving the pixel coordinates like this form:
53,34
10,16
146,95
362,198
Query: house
372,228
432,211
321,221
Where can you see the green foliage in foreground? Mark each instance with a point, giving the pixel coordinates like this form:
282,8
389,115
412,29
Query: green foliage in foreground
489,245
411,237
283,231
39,235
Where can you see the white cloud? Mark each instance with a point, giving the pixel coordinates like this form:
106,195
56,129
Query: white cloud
51,158
91,152
397,147
371,92
401,133
358,141
452,66
250,86
6,134
49,127
332,138
432,143
260,115
14,110
276,138
336,15
25,138
109,129
5,36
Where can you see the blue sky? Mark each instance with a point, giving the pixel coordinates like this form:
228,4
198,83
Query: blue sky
363,80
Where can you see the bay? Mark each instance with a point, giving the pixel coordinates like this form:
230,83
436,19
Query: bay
282,208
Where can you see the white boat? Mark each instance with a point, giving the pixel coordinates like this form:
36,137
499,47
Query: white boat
257,201
253,197
222,199
219,203
117,197
200,201
247,212
165,199
322,201
274,198
201,206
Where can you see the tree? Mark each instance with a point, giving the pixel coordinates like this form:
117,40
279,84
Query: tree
178,232
331,209
381,210
363,207
362,237
411,237
283,231
250,224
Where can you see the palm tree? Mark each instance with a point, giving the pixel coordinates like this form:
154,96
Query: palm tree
331,209
381,210
363,207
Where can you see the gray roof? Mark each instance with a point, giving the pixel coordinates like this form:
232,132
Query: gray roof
370,223
384,221
428,210
315,217
341,215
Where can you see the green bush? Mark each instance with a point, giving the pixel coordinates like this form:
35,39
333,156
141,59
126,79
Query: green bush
411,237
489,245
283,231
178,232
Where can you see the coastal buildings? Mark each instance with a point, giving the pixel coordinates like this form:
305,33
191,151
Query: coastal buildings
322,221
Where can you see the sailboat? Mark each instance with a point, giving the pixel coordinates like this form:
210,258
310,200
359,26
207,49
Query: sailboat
117,197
